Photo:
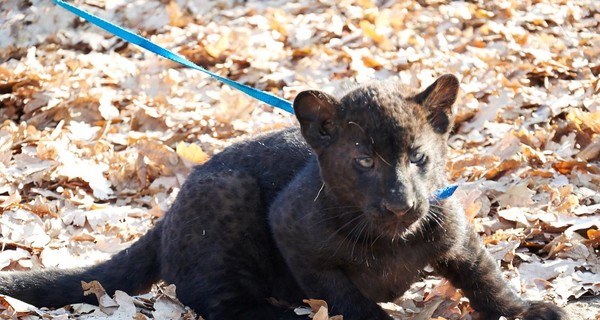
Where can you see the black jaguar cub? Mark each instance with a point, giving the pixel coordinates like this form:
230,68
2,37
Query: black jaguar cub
340,210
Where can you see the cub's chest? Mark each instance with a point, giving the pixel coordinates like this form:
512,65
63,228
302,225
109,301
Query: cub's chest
388,276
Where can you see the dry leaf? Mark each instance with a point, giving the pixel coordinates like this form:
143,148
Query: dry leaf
518,195
191,153
321,314
106,303
315,304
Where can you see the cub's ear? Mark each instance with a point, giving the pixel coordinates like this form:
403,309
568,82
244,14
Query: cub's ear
438,99
315,111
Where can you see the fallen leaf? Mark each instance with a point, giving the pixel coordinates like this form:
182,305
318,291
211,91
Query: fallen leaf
191,153
106,303
518,195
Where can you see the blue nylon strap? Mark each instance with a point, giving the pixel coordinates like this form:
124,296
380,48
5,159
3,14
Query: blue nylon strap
265,97
443,193
148,45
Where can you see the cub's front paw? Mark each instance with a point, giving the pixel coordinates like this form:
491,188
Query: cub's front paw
543,311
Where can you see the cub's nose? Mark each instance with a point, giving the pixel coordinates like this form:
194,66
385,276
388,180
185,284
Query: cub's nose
399,208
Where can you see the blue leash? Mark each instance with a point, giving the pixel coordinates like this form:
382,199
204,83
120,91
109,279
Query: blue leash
153,47
265,97
443,193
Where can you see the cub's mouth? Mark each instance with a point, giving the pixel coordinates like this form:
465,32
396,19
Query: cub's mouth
394,225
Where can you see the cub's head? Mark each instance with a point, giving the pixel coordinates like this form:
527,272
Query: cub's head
381,149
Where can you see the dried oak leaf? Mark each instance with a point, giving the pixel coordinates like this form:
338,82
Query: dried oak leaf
167,306
471,203
191,154
177,16
504,166
106,303
320,310
567,166
371,31
206,54
316,304
593,238
518,195
10,82
322,314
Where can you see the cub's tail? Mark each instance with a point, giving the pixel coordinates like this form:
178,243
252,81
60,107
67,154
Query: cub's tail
132,270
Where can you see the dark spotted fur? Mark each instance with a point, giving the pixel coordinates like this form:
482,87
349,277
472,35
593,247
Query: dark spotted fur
344,217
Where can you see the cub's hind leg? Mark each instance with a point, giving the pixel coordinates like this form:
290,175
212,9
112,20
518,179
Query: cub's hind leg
218,249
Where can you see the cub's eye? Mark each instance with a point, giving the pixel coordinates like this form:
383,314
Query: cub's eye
417,158
365,162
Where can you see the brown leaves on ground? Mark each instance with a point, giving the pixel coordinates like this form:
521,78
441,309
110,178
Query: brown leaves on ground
160,303
319,310
97,135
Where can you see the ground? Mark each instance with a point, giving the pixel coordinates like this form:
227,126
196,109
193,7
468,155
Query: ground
97,135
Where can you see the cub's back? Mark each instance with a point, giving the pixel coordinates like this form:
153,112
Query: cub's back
272,158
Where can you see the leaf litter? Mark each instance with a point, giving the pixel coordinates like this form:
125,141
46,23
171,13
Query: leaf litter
97,135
